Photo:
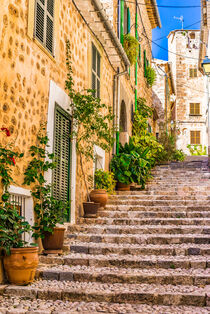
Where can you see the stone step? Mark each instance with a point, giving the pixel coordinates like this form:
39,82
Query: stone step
126,261
112,293
154,207
131,229
142,239
146,221
181,192
159,197
194,203
135,249
125,275
151,214
20,305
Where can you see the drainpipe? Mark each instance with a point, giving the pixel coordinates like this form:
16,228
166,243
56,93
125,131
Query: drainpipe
117,106
136,65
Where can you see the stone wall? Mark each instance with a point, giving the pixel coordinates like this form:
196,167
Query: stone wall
188,90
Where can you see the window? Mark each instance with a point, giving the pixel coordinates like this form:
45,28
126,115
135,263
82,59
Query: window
61,174
192,35
44,23
193,72
194,109
195,137
145,63
96,69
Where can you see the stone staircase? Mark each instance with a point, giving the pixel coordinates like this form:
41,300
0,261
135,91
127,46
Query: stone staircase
147,252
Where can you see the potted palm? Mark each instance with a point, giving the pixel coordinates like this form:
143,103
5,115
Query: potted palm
49,211
104,184
20,258
92,125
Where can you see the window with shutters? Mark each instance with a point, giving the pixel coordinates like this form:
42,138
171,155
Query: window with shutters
44,23
145,63
194,109
193,72
195,137
96,69
61,174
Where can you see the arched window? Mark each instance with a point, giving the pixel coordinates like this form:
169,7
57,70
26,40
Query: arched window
123,117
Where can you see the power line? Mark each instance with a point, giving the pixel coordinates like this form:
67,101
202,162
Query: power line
166,6
183,30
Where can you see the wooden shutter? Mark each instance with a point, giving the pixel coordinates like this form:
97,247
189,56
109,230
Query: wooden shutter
96,70
139,52
44,23
128,21
193,72
61,174
194,109
145,63
195,137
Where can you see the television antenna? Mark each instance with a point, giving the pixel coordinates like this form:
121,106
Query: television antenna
181,19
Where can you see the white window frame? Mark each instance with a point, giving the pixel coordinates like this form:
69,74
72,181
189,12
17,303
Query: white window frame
99,152
29,206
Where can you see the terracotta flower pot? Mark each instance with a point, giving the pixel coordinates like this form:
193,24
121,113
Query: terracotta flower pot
54,241
21,265
99,196
90,209
123,187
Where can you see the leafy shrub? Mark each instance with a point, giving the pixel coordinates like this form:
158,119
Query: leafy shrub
121,166
131,46
150,76
197,150
105,180
170,153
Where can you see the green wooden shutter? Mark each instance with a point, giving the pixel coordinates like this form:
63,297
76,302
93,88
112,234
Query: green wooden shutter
61,174
139,52
128,21
122,4
96,70
145,62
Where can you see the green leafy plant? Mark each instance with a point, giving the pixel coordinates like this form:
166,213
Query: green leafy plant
131,46
104,180
48,210
197,150
150,76
121,166
12,225
92,120
170,153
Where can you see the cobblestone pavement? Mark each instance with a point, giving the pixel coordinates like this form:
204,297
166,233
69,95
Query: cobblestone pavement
147,252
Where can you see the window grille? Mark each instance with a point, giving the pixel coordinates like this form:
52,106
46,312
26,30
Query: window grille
19,203
44,23
194,109
195,137
96,69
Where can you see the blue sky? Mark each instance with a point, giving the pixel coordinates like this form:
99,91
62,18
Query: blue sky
191,15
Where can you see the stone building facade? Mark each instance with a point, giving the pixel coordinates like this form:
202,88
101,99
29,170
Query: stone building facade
191,96
163,97
33,38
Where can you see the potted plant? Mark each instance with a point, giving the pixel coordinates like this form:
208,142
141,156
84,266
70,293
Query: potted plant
20,257
92,125
121,166
150,76
104,184
131,46
49,211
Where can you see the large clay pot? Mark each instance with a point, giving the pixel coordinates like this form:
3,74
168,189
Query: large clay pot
99,196
123,187
54,241
21,265
90,209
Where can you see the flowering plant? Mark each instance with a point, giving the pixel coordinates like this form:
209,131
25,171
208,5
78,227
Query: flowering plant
12,225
